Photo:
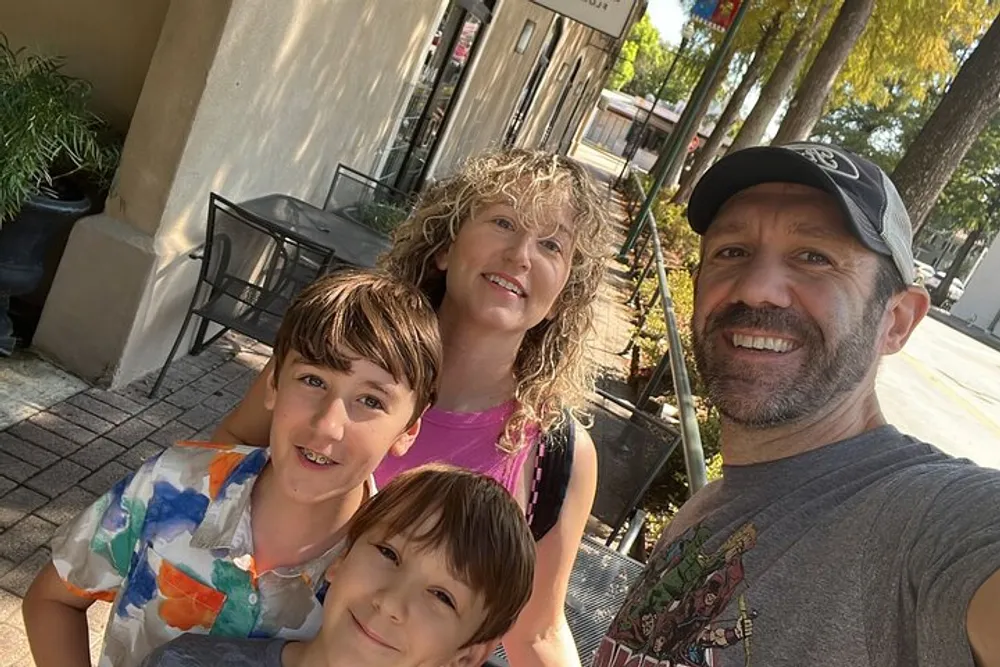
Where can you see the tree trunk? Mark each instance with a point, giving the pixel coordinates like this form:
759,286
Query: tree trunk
699,116
940,294
707,154
807,105
780,81
960,116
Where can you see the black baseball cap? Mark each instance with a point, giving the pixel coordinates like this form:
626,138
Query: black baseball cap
866,196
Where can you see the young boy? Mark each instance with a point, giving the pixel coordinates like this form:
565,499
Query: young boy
233,540
439,565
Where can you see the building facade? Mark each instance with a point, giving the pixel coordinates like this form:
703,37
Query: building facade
252,97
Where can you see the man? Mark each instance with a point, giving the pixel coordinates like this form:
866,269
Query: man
832,539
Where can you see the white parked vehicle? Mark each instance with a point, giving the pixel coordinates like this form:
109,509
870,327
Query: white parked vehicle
955,290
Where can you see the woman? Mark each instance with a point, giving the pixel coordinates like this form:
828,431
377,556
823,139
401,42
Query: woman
510,252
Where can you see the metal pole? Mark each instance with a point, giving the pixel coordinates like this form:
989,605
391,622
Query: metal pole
659,93
694,454
687,119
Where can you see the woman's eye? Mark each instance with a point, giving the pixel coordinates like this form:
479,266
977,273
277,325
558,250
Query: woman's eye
445,598
503,223
312,381
551,246
387,553
372,402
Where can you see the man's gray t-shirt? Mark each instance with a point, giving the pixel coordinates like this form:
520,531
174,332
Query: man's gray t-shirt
863,552
206,651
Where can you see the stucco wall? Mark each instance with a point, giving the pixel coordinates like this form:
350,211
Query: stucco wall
980,302
107,42
262,97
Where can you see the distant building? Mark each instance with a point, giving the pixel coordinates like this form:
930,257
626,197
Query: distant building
618,115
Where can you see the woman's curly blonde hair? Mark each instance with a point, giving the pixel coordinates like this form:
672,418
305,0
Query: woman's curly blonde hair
552,371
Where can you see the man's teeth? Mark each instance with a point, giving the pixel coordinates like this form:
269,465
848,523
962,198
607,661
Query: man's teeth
506,284
318,459
768,343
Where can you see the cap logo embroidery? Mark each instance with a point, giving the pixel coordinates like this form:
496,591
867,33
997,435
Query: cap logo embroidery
827,158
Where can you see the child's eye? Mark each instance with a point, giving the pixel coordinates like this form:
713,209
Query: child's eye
372,402
312,381
444,597
387,553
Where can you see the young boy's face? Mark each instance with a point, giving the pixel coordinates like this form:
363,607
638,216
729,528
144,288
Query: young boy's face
330,430
395,603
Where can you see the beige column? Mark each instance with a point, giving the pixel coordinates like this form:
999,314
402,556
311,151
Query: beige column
116,267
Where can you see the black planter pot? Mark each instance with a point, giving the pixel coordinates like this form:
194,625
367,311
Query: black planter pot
24,244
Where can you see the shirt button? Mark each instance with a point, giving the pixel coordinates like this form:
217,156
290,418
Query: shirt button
252,598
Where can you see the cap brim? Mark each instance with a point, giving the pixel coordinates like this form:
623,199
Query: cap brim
766,164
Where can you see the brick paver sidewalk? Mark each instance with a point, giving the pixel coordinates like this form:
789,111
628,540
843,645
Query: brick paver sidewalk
56,462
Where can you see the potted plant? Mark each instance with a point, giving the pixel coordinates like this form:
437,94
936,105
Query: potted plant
54,148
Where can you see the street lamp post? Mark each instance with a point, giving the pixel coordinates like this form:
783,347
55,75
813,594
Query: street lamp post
686,33
674,146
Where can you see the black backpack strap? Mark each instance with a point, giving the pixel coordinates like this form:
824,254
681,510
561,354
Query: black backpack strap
551,480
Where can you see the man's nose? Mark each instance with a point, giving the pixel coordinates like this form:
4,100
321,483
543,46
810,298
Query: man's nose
763,281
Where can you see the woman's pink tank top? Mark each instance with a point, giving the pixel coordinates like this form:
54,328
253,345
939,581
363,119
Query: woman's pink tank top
464,439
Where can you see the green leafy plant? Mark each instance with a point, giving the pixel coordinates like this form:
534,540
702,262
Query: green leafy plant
380,216
47,131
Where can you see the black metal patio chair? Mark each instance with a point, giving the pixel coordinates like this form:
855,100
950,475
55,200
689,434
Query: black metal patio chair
366,201
250,272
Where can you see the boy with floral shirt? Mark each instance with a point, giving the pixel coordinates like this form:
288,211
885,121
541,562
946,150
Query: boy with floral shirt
231,540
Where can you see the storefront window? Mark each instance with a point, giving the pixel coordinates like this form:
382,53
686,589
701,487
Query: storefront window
427,111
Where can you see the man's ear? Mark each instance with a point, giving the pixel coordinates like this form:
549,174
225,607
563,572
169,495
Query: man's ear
904,312
472,656
405,439
270,388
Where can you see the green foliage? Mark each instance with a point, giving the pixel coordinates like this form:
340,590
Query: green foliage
46,129
380,216
914,46
641,48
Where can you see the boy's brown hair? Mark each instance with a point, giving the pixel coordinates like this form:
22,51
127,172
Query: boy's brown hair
480,528
354,313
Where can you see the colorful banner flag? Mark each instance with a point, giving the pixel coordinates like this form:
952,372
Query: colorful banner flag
717,14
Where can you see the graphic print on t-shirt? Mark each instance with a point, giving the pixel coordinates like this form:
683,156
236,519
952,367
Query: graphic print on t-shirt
674,615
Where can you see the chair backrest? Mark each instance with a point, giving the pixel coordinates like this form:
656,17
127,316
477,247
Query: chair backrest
366,200
253,270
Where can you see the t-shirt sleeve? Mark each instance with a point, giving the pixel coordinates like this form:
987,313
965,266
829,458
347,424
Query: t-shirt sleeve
93,552
204,651
956,547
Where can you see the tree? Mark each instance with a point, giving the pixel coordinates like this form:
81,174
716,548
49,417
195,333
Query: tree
698,112
807,105
971,101
642,47
781,79
706,155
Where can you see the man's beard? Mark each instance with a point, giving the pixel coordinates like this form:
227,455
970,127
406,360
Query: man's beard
751,395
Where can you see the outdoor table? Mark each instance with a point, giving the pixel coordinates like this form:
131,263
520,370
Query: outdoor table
335,237
600,580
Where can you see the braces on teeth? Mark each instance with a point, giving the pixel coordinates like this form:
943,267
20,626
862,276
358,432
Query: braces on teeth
315,458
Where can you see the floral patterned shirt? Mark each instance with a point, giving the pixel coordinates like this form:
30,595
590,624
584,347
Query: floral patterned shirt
171,547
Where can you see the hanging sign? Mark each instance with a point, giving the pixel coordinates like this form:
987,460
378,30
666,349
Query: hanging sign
607,16
716,14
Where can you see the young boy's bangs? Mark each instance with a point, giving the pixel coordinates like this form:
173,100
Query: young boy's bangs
354,314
